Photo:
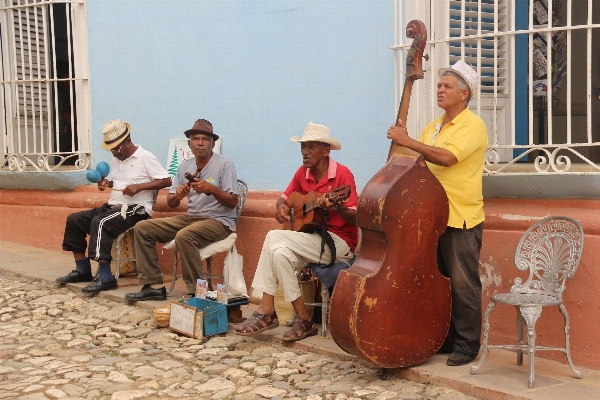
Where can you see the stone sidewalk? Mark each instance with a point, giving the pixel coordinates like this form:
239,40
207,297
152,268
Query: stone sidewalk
56,343
499,378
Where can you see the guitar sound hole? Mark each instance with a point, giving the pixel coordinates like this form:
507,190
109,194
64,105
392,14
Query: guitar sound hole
304,210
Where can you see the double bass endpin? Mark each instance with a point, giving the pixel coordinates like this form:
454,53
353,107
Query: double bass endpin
382,374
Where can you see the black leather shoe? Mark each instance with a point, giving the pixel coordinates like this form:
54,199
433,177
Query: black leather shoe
457,358
148,293
74,277
98,285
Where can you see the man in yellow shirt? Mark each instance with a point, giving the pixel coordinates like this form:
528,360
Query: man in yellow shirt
454,146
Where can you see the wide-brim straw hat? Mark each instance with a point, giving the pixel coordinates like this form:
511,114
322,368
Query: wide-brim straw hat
202,126
317,133
114,132
466,72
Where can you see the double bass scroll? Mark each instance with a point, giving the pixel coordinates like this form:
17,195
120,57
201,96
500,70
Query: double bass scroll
392,306
414,70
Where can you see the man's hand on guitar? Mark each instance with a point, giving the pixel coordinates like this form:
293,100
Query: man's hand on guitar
325,202
333,198
283,213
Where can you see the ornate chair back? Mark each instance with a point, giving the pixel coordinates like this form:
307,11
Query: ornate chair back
550,250
242,194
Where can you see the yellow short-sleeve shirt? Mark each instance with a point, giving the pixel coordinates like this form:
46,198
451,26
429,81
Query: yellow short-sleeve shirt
466,137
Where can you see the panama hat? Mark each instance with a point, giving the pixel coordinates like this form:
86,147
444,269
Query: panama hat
202,126
317,133
114,133
466,72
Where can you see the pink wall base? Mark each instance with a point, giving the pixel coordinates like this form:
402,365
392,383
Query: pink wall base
36,218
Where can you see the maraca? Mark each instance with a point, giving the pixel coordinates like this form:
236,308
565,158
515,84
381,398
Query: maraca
103,168
93,176
96,175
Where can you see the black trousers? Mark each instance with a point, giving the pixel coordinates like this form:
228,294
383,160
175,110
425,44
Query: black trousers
103,224
458,259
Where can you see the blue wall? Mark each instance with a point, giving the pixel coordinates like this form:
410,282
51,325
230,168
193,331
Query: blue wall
258,70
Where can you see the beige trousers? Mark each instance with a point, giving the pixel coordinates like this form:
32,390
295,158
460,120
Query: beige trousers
190,234
284,253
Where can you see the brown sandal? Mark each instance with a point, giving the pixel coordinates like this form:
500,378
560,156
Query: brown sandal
300,329
257,323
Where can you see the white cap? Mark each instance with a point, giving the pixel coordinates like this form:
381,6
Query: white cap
466,72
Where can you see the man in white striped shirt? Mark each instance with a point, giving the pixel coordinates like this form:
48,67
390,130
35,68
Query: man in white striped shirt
135,175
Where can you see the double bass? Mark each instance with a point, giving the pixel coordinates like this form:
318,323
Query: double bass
392,306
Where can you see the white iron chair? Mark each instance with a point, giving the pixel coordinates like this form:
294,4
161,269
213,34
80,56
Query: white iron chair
550,250
207,252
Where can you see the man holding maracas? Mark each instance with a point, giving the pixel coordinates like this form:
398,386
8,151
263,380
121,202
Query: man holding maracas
136,173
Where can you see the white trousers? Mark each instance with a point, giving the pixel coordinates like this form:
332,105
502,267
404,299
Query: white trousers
285,252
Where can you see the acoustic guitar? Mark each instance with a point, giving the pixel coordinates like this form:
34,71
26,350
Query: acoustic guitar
305,215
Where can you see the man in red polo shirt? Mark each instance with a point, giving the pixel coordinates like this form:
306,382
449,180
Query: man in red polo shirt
284,251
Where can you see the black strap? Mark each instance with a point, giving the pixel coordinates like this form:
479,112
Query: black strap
326,239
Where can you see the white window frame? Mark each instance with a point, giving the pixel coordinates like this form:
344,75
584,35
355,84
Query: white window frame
498,108
28,82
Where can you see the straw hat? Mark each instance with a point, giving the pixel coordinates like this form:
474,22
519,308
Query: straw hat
466,72
114,133
317,133
202,126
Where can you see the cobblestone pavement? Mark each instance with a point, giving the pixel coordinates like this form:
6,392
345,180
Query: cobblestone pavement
57,344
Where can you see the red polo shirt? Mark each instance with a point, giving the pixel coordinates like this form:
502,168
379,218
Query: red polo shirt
337,175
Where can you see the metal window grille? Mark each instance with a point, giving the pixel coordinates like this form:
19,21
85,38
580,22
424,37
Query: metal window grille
518,48
44,85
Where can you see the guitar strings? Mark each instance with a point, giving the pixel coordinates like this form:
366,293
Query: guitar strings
312,205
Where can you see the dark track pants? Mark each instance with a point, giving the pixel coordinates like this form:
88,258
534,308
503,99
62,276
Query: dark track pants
103,224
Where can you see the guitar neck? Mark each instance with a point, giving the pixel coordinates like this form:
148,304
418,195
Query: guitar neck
305,214
311,205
